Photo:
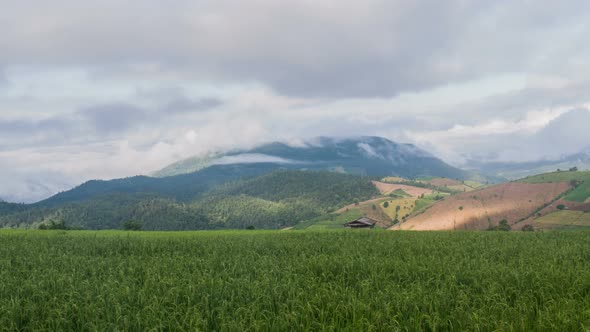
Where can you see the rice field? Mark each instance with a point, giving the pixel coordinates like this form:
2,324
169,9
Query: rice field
363,280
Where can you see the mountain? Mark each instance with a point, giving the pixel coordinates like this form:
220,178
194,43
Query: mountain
271,186
370,156
513,171
274,200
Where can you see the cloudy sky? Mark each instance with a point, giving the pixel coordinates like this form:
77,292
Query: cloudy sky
114,88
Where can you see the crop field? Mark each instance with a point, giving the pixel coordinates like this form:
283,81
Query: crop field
485,207
580,194
564,219
361,280
563,176
398,207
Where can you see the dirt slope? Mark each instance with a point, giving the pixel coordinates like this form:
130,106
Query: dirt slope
481,208
386,188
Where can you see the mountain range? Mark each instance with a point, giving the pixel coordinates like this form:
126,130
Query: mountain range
513,171
187,187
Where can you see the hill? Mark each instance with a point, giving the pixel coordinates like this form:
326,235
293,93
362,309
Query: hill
537,201
367,156
274,200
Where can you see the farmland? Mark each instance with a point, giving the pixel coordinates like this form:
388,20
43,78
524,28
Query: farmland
564,220
291,280
486,207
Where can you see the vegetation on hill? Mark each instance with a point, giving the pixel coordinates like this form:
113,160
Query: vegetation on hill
564,220
9,208
274,200
327,280
561,176
369,156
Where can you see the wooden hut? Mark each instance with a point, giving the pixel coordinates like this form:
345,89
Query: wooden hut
363,222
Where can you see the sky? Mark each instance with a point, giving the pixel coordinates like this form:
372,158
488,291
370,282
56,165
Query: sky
110,88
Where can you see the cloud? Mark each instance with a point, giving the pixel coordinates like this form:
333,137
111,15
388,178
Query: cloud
185,104
113,118
249,158
90,88
306,48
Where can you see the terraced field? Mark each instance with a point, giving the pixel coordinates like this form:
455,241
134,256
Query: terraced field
486,207
564,220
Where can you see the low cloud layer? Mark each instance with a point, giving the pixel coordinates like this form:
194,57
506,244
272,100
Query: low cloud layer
114,88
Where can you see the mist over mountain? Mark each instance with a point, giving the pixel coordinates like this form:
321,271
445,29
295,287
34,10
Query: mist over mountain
368,155
516,170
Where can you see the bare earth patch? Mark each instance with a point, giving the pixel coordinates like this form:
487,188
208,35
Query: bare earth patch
486,207
387,188
444,182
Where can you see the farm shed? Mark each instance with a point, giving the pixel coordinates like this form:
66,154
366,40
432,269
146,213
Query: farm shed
363,222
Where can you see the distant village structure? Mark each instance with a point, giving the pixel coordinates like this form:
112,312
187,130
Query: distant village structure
363,222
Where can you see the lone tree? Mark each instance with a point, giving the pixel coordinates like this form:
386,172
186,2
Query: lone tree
386,205
574,169
503,226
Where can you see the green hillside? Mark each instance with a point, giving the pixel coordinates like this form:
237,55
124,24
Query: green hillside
271,201
562,176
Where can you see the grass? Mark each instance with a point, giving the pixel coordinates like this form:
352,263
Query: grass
473,184
358,280
563,218
580,194
406,205
423,203
393,179
330,221
563,176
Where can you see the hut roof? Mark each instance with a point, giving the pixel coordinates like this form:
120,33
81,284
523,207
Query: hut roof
364,220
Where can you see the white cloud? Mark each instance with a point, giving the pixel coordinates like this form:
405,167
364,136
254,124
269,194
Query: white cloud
111,88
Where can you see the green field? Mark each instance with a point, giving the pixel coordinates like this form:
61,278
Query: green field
580,194
359,280
563,176
564,219
331,220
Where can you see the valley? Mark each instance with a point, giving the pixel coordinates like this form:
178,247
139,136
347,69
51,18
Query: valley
322,185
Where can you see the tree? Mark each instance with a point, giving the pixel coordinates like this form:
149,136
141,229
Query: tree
386,205
397,208
574,169
561,207
132,225
54,225
528,228
374,207
460,208
504,226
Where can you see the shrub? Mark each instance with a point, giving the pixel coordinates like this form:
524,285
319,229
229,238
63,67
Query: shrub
528,228
53,225
132,225
561,207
